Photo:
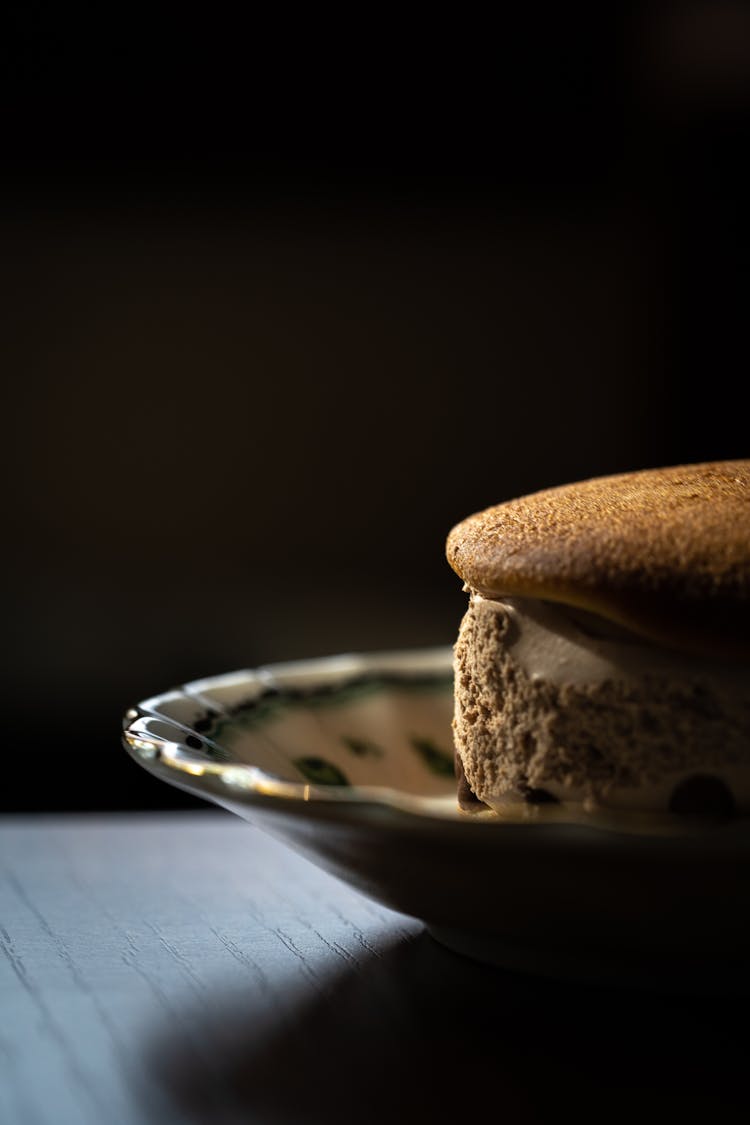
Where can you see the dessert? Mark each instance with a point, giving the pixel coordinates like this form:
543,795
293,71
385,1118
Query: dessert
604,659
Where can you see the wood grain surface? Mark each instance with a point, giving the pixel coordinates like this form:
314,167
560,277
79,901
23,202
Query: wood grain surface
187,968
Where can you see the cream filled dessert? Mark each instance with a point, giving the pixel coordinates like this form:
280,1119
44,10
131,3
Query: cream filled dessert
604,660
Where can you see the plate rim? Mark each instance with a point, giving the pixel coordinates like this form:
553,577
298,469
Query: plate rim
159,742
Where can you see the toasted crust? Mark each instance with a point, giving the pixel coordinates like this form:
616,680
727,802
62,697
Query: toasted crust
664,552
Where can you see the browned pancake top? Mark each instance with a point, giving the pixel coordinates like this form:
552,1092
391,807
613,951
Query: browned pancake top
665,552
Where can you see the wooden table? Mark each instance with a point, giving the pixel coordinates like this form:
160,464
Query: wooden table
185,967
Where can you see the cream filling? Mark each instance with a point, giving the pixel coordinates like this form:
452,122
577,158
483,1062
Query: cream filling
560,644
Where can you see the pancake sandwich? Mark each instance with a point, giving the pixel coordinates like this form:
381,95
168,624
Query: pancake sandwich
604,659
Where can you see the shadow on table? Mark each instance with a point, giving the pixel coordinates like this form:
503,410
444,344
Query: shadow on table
424,1035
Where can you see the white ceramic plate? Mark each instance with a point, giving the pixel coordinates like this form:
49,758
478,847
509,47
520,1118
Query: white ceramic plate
349,760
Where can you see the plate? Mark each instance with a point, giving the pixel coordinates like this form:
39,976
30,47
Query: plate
348,759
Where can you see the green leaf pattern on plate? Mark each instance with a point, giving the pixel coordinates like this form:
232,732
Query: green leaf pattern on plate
362,747
320,772
438,761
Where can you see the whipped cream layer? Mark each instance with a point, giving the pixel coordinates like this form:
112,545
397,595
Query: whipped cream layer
561,644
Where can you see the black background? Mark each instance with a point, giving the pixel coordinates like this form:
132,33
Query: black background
283,301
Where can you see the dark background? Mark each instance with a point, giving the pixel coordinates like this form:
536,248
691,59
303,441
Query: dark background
284,303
